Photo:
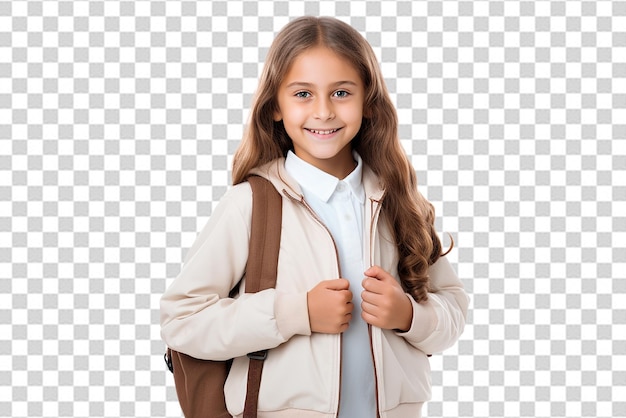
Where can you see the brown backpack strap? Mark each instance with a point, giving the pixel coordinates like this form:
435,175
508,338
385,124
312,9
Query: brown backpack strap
267,210
261,268
200,383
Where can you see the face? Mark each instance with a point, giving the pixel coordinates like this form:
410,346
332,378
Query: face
321,105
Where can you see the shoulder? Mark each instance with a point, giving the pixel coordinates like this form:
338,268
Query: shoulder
237,196
230,219
234,206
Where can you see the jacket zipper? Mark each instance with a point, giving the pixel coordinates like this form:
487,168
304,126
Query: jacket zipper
374,217
319,221
369,329
373,222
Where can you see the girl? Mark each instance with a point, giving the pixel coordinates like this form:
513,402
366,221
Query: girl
363,292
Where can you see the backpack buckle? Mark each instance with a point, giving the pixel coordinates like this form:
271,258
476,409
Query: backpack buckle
258,355
168,361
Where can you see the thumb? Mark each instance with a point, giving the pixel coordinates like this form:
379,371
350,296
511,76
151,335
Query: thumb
337,284
376,272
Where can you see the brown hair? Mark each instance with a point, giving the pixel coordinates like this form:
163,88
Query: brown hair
409,214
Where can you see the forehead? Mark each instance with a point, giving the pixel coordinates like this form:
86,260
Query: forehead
321,66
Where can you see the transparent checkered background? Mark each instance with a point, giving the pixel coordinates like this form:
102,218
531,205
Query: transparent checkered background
118,121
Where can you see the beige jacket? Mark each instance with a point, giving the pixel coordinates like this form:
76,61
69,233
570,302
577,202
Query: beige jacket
301,375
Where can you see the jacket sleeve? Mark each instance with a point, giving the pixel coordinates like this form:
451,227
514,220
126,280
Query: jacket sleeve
197,316
439,322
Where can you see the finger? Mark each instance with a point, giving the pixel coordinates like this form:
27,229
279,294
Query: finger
379,304
373,285
378,286
349,308
376,303
371,298
369,318
368,307
342,296
344,327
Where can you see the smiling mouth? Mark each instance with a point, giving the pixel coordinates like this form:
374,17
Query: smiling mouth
320,132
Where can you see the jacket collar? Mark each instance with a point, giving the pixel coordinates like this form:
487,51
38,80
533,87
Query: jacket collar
276,173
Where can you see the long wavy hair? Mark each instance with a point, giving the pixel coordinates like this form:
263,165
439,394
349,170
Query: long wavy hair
410,216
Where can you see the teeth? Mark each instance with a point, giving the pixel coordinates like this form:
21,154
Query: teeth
323,132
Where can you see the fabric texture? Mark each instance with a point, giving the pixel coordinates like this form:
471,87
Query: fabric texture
198,319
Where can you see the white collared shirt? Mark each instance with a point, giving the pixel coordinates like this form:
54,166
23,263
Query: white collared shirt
340,205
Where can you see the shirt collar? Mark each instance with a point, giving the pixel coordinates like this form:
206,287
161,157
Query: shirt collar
321,184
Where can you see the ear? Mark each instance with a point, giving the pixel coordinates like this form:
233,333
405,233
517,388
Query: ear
277,116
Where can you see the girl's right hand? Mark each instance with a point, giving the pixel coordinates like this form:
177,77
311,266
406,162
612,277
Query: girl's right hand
330,306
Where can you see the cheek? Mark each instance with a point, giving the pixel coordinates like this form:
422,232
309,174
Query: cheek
353,111
354,115
294,114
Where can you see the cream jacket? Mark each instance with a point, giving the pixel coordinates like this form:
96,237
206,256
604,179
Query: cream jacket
301,375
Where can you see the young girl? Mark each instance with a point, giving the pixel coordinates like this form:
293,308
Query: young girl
363,291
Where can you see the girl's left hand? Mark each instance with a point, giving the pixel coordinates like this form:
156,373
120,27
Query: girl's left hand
385,304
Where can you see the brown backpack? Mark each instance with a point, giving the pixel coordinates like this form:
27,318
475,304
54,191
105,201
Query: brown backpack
200,383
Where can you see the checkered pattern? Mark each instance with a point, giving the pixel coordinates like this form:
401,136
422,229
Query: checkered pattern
118,121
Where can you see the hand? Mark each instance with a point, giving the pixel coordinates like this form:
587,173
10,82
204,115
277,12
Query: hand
330,306
385,304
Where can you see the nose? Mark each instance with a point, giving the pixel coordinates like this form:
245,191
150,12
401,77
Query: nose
324,109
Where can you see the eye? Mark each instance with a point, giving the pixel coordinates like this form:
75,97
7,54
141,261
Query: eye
341,94
303,94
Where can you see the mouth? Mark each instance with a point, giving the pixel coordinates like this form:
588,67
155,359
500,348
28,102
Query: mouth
322,132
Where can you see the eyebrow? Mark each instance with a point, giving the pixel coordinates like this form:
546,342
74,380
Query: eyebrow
309,85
